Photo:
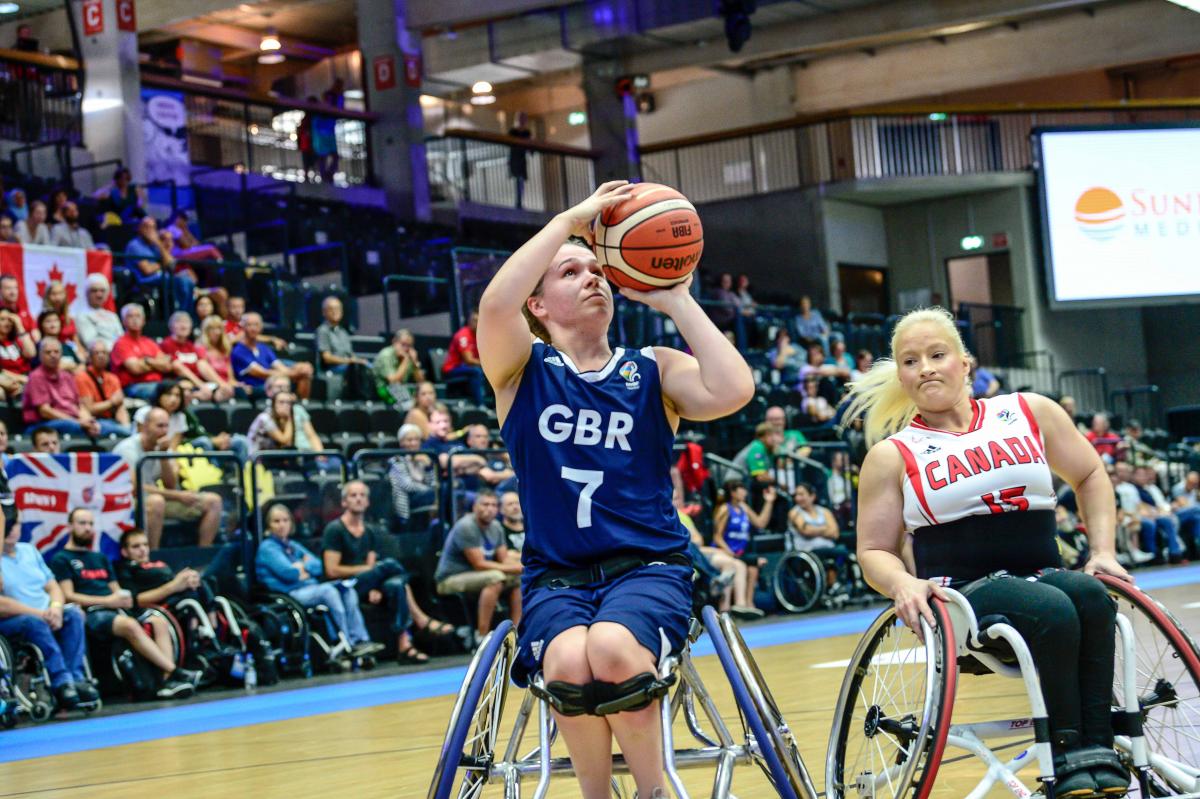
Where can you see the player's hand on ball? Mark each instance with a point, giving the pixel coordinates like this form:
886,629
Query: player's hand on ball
582,216
662,300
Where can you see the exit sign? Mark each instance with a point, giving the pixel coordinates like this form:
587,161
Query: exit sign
971,242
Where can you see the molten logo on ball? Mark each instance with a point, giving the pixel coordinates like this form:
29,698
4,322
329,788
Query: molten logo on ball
1100,213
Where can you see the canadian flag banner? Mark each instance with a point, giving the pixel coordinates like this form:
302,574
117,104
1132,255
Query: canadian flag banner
36,267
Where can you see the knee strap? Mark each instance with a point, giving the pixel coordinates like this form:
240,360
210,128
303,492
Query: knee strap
600,698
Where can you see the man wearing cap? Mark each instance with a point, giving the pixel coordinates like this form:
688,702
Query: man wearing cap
97,322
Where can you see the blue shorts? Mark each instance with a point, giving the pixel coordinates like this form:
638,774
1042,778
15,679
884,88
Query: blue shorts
653,602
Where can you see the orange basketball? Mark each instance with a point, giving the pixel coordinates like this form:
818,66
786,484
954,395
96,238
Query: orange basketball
651,240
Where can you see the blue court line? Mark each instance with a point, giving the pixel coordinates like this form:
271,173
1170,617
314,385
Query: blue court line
127,728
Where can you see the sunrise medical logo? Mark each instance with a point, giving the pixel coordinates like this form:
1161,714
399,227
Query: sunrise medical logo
1100,213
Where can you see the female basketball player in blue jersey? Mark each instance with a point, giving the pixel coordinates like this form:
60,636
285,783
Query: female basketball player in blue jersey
607,582
971,482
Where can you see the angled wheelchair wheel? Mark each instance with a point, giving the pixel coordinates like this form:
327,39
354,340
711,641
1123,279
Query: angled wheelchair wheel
10,704
893,713
1168,688
773,745
799,581
466,757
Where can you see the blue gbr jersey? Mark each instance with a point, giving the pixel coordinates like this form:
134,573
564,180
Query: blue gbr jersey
592,452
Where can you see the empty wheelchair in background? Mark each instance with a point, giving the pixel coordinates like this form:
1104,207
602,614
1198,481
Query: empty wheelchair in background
469,759
892,725
801,581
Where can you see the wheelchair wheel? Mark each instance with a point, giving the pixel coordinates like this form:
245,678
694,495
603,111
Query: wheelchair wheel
893,713
10,705
475,721
774,745
1168,683
799,581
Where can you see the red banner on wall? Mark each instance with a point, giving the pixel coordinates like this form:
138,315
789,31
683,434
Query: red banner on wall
384,67
126,16
35,267
93,17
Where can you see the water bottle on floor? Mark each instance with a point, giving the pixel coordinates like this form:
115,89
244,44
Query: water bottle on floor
251,674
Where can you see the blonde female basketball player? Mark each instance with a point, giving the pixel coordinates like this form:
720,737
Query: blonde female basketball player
607,582
971,480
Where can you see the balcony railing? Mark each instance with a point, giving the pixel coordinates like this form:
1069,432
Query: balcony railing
39,98
877,143
228,128
476,167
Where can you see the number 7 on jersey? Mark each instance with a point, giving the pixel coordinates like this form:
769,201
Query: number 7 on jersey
591,479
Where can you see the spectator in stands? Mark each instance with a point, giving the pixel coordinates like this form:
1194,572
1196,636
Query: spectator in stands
811,327
15,206
184,427
863,360
100,390
154,582
153,263
55,300
58,201
748,306
1185,501
217,349
734,522
793,441
475,559
813,527
351,549
253,361
493,470
7,234
51,398
760,455
1108,444
1154,507
46,441
512,519
336,354
283,424
204,308
1142,453
69,232
98,322
396,366
725,304
838,356
983,383
426,403
4,453
191,362
462,358
33,229
138,362
413,477
235,309
729,574
814,406
50,326
86,578
786,357
199,508
121,198
1068,404
817,364
17,351
10,300
1140,531
186,246
287,567
33,609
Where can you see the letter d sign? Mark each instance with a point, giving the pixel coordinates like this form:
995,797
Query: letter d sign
93,18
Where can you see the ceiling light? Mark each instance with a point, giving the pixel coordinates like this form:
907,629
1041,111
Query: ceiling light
353,94
1194,5
482,87
270,41
429,101
483,99
271,58
9,8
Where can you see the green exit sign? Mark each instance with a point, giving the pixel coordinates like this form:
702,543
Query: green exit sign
576,118
971,242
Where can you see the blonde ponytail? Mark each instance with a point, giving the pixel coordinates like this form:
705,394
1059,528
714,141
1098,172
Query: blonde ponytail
878,395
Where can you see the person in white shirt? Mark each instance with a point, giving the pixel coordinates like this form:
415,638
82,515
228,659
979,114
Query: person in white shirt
69,233
34,230
97,322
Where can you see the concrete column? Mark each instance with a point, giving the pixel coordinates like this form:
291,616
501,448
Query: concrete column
398,137
612,120
112,96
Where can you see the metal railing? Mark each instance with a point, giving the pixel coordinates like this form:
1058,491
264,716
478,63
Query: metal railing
261,134
480,168
876,143
232,488
1089,387
40,98
415,295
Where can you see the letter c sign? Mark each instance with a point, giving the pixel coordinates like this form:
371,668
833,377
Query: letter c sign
93,17
126,16
384,67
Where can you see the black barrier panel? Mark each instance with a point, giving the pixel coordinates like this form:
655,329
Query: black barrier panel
391,470
201,472
469,470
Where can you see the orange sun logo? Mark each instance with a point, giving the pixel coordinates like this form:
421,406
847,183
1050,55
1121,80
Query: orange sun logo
1100,213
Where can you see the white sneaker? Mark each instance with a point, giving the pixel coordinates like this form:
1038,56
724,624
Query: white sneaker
1140,557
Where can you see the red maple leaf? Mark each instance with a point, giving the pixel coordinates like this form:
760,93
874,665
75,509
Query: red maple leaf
57,274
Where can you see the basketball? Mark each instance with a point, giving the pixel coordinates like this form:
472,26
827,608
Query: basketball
652,240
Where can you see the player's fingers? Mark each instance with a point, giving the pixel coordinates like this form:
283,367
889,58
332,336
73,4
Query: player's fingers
609,186
937,591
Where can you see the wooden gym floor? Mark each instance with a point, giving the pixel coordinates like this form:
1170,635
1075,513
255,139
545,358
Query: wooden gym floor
380,737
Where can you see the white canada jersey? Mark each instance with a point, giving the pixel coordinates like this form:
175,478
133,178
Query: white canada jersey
998,465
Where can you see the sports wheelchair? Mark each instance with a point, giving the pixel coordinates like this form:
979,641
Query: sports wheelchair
892,725
25,685
800,580
469,760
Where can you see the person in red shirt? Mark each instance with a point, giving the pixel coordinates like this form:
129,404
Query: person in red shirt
16,355
191,361
51,398
10,300
462,358
137,360
1108,444
100,389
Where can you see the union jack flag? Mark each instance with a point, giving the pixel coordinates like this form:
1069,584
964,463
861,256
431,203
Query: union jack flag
46,488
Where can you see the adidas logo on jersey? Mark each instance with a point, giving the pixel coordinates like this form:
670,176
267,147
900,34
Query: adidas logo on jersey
932,448
553,360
